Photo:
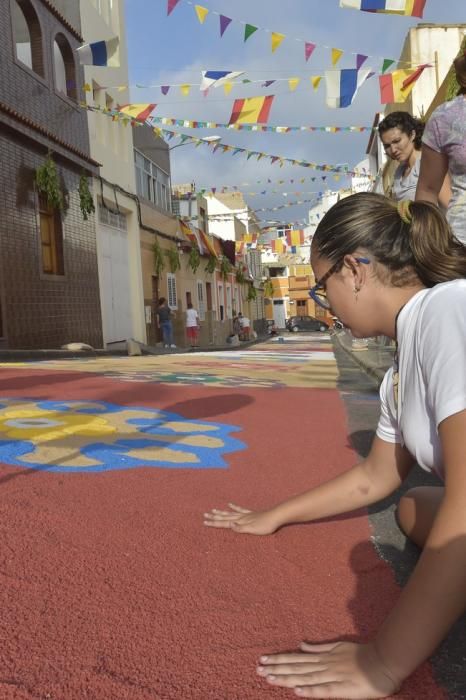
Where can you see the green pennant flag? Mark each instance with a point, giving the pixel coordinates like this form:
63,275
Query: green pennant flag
249,29
387,62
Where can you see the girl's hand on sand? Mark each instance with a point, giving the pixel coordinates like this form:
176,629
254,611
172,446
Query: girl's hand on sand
243,521
337,670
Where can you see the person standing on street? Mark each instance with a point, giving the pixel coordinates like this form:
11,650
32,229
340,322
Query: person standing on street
401,136
444,150
192,326
395,270
164,322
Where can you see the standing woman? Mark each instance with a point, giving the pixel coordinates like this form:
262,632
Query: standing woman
443,150
395,270
401,136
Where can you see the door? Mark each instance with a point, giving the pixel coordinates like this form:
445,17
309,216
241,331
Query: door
115,289
279,313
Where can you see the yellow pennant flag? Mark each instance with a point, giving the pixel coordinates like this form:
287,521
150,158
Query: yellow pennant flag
227,88
201,13
336,55
87,87
293,83
277,39
122,88
185,89
315,80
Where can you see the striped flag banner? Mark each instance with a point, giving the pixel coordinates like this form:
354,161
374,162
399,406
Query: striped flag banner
278,246
138,112
409,8
100,53
215,78
251,110
342,85
207,243
397,86
295,237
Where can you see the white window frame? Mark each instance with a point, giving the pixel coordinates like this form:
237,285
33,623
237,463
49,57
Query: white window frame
172,296
229,301
201,300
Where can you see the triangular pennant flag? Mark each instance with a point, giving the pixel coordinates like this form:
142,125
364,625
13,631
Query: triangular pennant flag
308,50
267,83
387,62
171,4
185,89
165,89
293,83
360,58
277,39
224,23
227,88
249,30
336,55
201,13
315,80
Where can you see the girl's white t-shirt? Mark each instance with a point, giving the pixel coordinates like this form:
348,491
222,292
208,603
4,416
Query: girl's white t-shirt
432,373
191,318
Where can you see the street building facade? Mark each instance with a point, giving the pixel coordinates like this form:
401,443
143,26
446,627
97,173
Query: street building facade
49,287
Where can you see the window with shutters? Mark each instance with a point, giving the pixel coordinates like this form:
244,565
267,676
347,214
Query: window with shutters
171,291
201,300
51,239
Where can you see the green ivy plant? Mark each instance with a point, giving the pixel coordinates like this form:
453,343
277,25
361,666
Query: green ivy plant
173,258
211,264
240,277
86,201
159,262
252,294
48,183
268,288
452,84
225,267
194,258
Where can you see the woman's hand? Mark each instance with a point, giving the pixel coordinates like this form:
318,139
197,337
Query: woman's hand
243,521
337,670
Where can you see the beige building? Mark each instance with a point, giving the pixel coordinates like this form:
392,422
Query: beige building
111,144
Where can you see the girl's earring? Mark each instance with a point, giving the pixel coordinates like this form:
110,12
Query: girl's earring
356,292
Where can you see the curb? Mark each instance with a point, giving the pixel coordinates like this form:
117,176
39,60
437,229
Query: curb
373,371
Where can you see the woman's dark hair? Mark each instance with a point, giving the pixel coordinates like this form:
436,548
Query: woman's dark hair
162,301
460,70
406,123
419,246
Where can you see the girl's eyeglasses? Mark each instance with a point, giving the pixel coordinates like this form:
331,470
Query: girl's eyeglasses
320,297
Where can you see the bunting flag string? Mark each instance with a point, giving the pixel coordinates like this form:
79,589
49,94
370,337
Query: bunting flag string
397,86
277,38
225,148
196,124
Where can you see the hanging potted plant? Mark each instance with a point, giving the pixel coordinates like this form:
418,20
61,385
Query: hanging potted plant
225,267
194,259
159,262
48,184
252,294
173,258
86,201
240,277
211,264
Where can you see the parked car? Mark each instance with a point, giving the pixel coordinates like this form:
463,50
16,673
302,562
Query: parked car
305,323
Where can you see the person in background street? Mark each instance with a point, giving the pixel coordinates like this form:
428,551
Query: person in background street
394,270
401,136
192,326
164,322
236,324
245,324
443,150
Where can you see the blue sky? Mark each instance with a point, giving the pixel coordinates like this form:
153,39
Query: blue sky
167,50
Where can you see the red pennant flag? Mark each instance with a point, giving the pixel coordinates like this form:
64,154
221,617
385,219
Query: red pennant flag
308,50
171,4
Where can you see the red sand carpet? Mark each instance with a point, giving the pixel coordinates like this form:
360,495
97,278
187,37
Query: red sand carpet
111,588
